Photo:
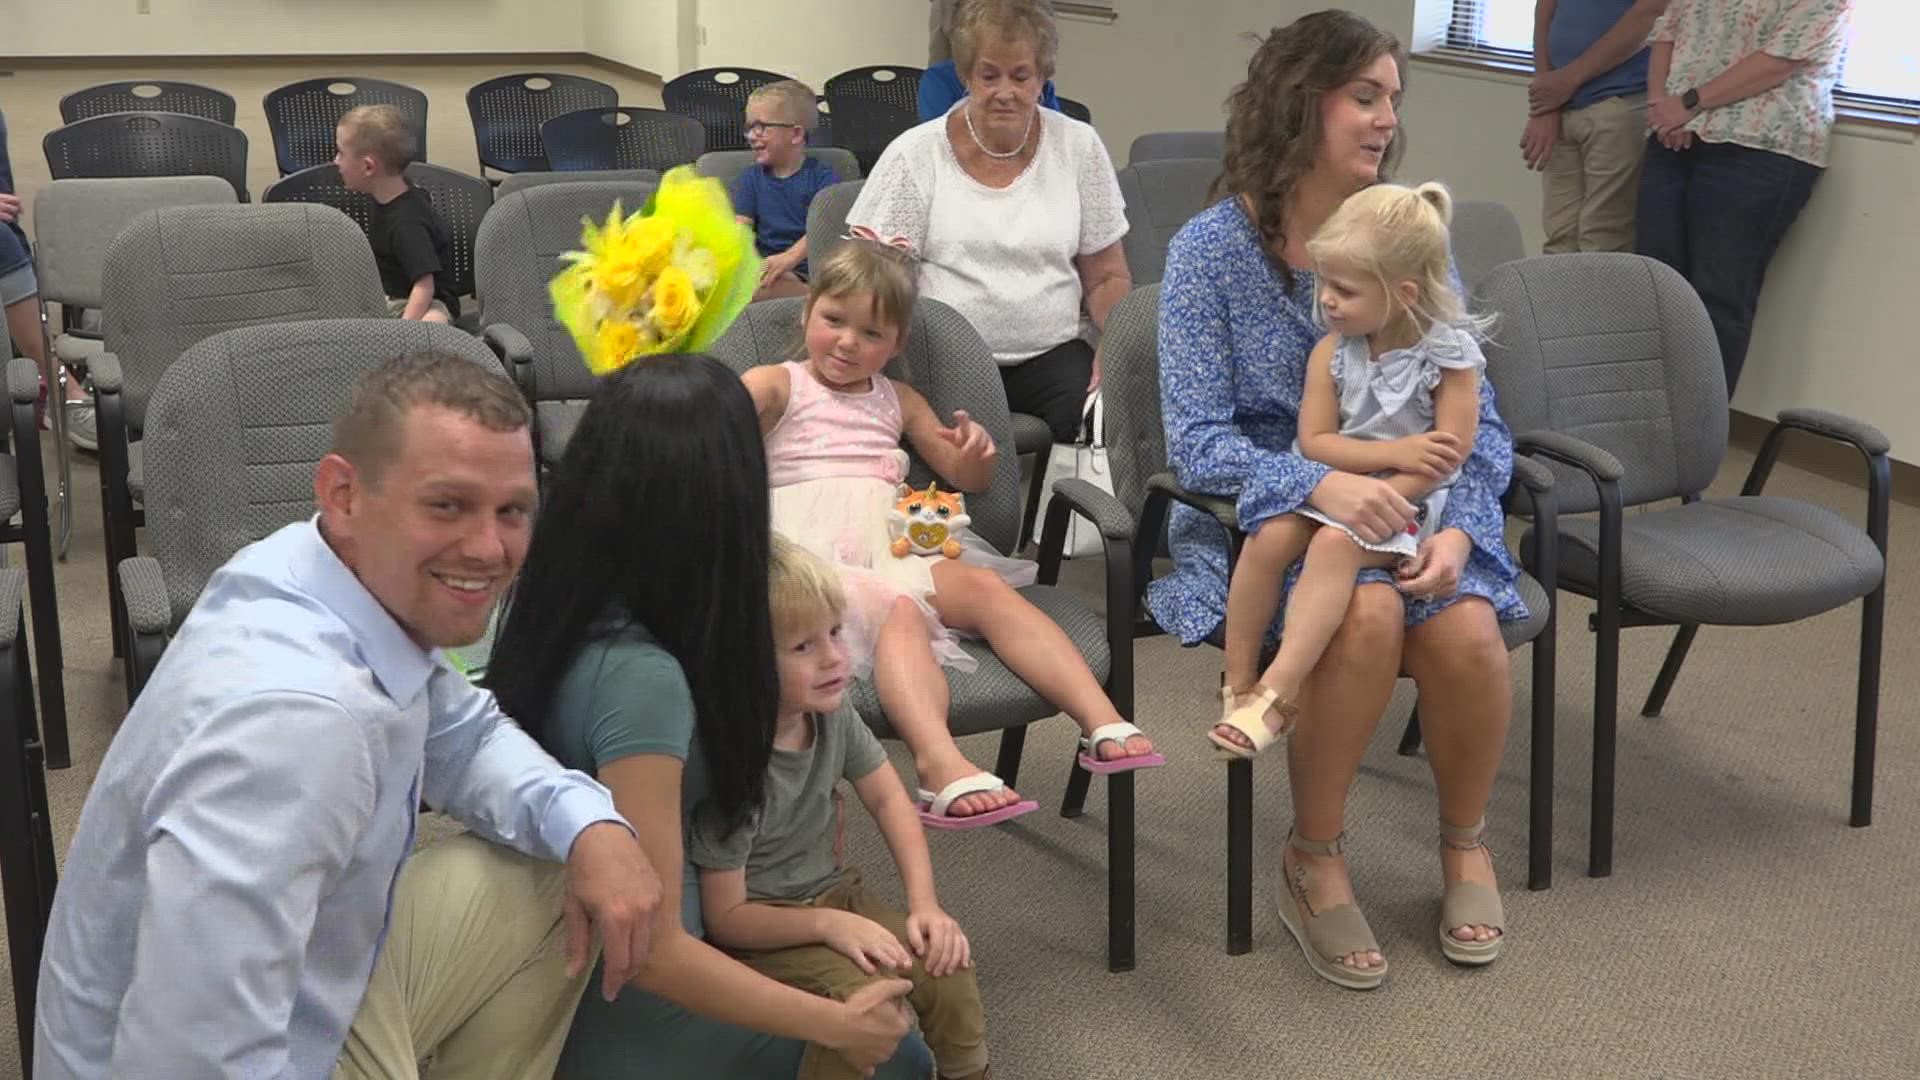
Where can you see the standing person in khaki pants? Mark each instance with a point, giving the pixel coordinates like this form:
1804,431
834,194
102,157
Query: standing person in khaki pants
1587,124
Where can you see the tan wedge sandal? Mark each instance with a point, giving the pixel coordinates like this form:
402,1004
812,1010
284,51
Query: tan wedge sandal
1248,716
1469,903
1325,936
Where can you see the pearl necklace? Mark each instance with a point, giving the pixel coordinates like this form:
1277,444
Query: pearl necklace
967,114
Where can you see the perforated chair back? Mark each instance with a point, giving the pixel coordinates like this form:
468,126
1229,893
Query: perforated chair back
148,95
622,137
518,253
1156,145
177,276
1160,197
251,409
522,181
1130,387
508,112
302,116
126,144
725,165
872,105
460,200
1076,110
717,97
1484,235
75,221
827,219
946,360
1614,349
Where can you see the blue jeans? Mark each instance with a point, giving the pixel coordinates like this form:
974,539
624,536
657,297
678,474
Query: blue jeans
1716,212
14,249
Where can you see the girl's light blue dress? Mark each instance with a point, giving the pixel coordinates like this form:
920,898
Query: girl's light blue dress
1234,342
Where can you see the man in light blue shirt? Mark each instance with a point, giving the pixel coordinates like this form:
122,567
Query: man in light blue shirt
235,903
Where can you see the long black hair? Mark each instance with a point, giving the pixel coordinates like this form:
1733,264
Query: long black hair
657,517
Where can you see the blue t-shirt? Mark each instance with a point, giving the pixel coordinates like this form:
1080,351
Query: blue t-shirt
940,87
1577,24
778,206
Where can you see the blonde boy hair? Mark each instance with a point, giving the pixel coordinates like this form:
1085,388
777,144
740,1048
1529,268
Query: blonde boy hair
383,133
868,266
793,102
979,23
803,592
1397,233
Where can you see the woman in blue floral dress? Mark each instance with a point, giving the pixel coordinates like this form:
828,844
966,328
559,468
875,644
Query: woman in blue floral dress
1314,122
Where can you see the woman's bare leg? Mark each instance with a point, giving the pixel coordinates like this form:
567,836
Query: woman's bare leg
1033,646
1344,698
913,691
1459,661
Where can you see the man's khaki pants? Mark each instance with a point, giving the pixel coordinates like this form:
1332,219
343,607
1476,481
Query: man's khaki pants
472,981
1593,176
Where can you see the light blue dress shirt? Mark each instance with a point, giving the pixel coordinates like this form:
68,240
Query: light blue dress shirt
231,877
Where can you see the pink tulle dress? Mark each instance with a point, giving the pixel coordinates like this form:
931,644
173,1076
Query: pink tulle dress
835,464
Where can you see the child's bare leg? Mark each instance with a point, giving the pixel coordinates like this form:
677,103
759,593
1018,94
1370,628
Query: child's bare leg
1315,609
1033,646
1253,592
913,691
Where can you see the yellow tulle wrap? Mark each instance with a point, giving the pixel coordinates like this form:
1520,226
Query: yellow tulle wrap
667,278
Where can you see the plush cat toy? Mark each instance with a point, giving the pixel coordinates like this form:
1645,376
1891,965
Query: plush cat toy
927,522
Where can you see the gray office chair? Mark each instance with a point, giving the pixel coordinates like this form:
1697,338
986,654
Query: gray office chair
177,276
1158,145
948,362
1144,491
1484,235
1607,367
724,165
521,181
516,256
74,222
256,402
827,217
1161,195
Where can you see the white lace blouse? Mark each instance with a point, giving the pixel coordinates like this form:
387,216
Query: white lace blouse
1002,257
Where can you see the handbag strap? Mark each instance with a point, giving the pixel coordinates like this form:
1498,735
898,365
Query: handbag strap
1093,421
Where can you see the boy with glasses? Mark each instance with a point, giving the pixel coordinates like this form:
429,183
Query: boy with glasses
774,193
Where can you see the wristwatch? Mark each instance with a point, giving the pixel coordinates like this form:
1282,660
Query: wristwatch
1691,99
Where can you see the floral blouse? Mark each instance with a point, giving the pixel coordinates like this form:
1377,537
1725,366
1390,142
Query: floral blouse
1794,118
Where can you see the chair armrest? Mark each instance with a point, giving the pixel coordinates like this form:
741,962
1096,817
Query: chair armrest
1097,506
1561,447
104,372
1116,557
13,592
1530,480
23,381
1223,509
515,352
144,588
1868,439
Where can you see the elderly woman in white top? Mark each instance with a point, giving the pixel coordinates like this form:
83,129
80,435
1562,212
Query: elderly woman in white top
1013,210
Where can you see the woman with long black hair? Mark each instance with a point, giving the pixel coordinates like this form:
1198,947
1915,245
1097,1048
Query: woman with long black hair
639,648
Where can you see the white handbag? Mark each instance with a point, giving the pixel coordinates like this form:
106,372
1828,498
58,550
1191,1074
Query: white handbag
1083,460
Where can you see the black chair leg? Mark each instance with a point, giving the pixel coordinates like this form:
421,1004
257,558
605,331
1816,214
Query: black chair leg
1540,771
1866,708
1075,802
1669,670
1606,688
1035,489
1012,742
1239,857
1120,870
1410,738
26,839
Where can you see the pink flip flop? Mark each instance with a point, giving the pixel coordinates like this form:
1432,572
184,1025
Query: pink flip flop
1119,733
933,808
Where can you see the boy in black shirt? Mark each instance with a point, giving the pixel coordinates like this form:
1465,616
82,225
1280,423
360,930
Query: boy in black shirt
374,143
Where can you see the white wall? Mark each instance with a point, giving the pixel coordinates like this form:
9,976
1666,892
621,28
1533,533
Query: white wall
644,34
1835,328
811,40
35,28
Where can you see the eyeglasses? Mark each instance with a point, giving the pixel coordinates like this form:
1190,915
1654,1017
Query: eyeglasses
760,127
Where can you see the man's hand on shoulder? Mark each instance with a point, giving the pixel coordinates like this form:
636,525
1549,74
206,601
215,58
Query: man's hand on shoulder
613,891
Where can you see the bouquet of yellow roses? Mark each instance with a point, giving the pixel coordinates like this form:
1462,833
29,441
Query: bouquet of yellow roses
667,278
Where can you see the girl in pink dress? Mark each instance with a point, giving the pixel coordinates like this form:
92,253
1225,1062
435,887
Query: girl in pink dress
833,425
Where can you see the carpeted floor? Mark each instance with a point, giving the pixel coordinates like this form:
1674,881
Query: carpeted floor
1747,931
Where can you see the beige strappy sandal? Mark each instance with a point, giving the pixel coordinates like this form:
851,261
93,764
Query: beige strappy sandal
1469,903
1325,936
1249,718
